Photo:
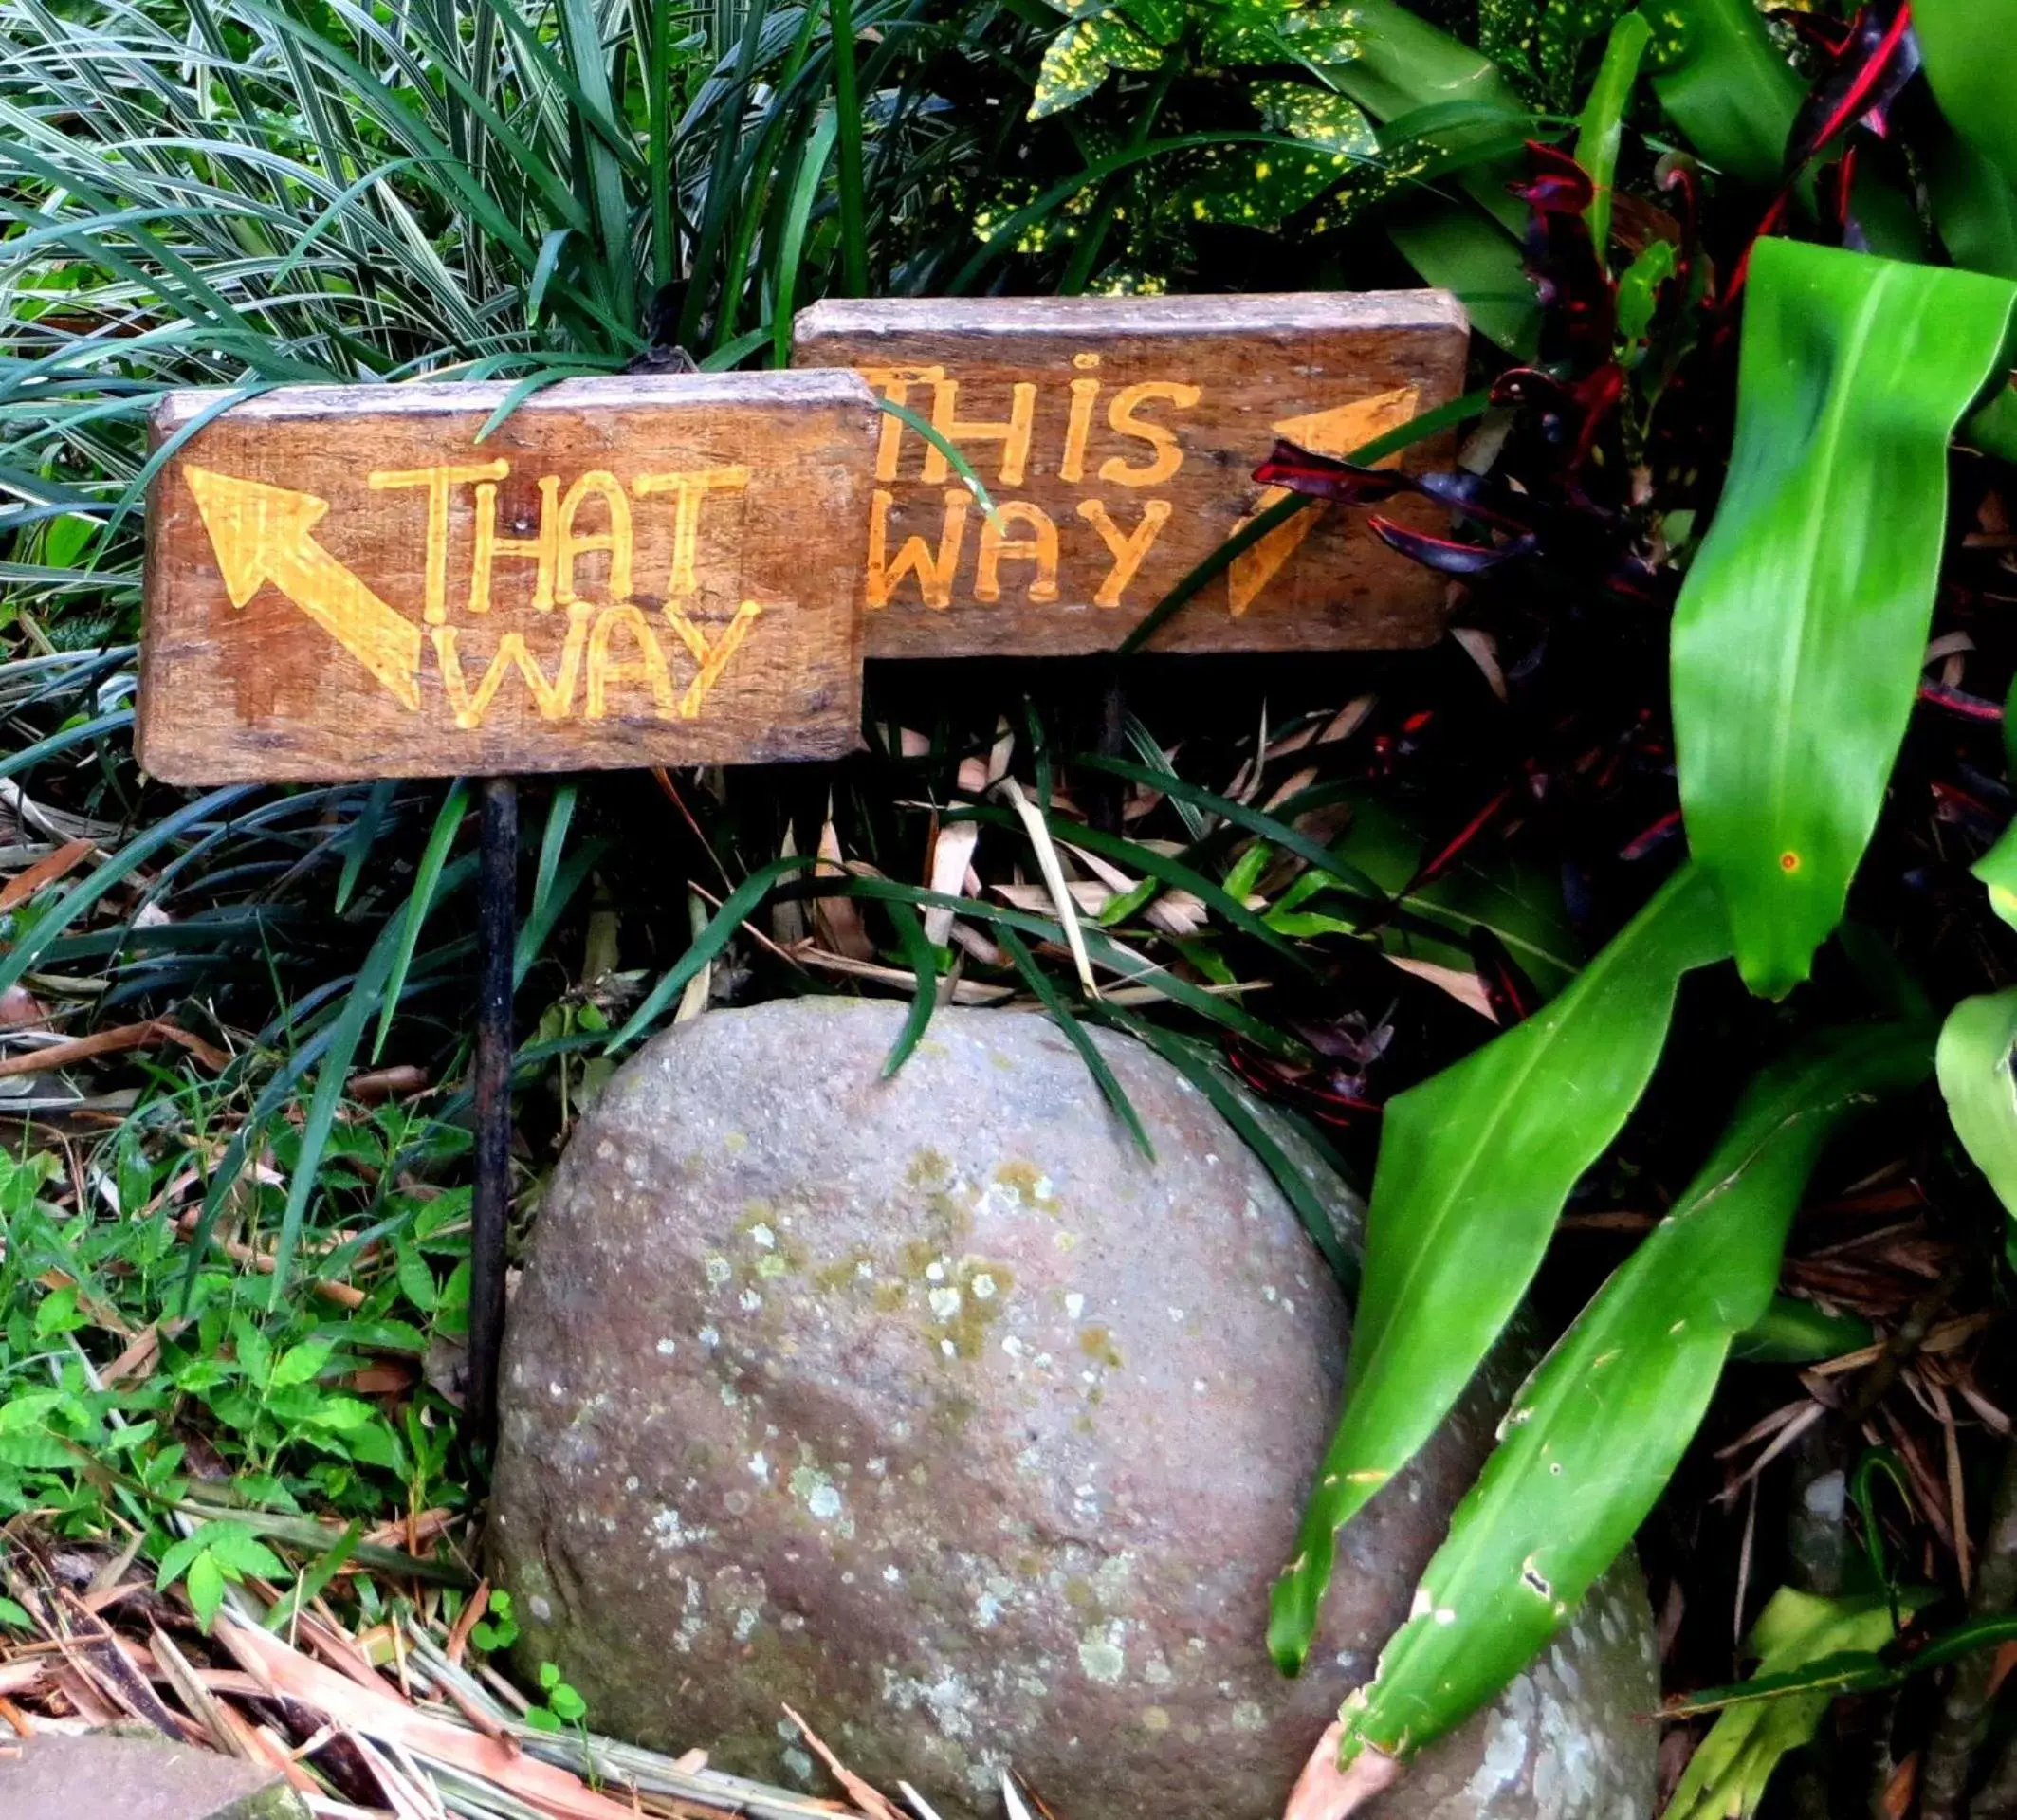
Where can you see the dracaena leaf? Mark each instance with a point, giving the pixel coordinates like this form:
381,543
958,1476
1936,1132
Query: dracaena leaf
1594,1434
1475,1167
1798,632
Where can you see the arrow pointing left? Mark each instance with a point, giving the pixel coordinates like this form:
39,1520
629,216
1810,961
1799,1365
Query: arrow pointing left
262,533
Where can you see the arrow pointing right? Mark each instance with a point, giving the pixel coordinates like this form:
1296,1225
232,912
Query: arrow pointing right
1337,432
262,533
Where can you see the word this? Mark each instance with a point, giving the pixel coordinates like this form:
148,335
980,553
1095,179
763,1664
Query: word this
1116,438
354,582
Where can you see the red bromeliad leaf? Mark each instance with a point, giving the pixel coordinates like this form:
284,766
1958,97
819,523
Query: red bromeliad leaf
1556,183
1512,993
1326,477
1447,555
1578,303
1874,59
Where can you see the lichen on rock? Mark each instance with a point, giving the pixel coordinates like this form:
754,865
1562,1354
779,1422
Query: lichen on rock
930,1408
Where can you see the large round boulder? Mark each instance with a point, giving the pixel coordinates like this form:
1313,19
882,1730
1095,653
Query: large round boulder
930,1408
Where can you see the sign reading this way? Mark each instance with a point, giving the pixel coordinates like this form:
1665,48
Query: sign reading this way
1117,437
344,582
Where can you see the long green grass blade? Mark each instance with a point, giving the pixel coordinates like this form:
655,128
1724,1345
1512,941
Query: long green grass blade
1060,1013
426,880
791,244
1304,1194
28,948
1600,128
357,841
735,910
923,966
333,1070
847,112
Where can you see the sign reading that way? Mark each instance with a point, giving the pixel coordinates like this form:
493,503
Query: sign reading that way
1117,437
344,582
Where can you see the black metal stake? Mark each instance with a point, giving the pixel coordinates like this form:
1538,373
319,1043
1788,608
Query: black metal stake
496,935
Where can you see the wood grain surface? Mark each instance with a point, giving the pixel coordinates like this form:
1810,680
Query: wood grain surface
343,582
1118,437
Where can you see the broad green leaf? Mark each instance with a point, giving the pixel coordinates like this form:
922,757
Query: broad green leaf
56,1312
1997,870
1401,62
1727,1774
1973,1060
341,1413
1965,45
1639,293
1456,248
238,1550
1320,116
565,1703
1974,207
1721,80
250,1346
1856,1672
1262,188
1992,428
175,1560
205,1587
1594,1434
37,1453
1080,58
1799,631
302,1363
1475,1167
28,1410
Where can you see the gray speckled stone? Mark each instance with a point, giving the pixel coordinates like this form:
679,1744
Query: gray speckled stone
930,1408
107,1776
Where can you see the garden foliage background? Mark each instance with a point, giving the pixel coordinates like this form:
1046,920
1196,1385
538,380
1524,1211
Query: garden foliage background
1728,565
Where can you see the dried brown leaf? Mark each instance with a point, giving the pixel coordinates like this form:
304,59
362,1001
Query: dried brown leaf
870,1800
46,871
1324,1792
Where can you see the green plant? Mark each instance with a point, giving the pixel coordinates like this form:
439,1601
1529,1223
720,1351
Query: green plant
498,1628
1873,315
563,1706
255,192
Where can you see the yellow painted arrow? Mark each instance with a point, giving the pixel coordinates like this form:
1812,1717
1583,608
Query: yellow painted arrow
1336,432
262,533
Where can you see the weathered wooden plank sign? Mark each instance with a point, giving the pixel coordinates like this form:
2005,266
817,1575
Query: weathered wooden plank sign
344,582
1117,436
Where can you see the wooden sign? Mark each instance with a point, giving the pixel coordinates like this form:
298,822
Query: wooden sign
1117,436
344,582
